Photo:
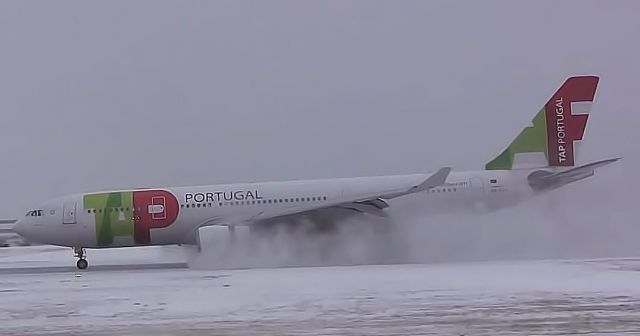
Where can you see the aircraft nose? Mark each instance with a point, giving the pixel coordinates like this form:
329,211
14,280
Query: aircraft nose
19,228
24,229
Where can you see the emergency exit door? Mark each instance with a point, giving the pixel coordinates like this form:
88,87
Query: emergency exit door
69,212
477,184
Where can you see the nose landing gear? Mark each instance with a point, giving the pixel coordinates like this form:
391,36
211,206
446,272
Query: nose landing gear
82,263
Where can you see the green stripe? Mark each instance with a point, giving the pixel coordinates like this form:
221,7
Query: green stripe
110,221
532,139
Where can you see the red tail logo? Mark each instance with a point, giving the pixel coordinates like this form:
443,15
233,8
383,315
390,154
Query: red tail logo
566,115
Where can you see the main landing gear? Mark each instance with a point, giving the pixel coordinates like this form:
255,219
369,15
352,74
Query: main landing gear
79,253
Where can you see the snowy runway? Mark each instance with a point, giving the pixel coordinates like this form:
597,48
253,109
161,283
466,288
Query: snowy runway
498,298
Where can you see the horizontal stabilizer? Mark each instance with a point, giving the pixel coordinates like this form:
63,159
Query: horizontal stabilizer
542,180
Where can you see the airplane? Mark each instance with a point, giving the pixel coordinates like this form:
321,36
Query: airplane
540,158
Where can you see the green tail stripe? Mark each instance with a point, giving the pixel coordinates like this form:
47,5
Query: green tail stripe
532,139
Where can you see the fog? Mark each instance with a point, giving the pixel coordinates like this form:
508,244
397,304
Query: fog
98,96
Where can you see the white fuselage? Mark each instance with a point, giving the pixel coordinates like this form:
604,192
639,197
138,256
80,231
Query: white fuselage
172,215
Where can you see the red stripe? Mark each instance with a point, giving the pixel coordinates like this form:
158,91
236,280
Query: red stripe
563,127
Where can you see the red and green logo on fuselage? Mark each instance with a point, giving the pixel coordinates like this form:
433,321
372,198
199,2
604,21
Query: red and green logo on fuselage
131,214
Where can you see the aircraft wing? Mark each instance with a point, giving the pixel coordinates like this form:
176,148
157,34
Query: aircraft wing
371,204
543,180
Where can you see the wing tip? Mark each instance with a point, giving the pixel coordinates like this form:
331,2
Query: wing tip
436,179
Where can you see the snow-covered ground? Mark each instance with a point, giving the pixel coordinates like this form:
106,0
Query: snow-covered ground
487,298
61,258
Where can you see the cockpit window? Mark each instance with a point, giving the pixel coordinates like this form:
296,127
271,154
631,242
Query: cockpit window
34,213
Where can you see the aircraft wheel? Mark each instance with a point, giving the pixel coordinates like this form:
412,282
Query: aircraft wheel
82,264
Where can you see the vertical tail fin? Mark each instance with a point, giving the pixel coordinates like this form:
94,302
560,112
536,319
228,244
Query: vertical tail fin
549,141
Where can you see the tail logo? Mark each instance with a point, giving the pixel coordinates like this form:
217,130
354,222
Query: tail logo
549,141
565,135
566,114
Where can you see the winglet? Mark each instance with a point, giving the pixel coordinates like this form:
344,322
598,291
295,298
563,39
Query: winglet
435,180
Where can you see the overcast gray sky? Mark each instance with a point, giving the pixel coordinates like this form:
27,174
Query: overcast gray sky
100,95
